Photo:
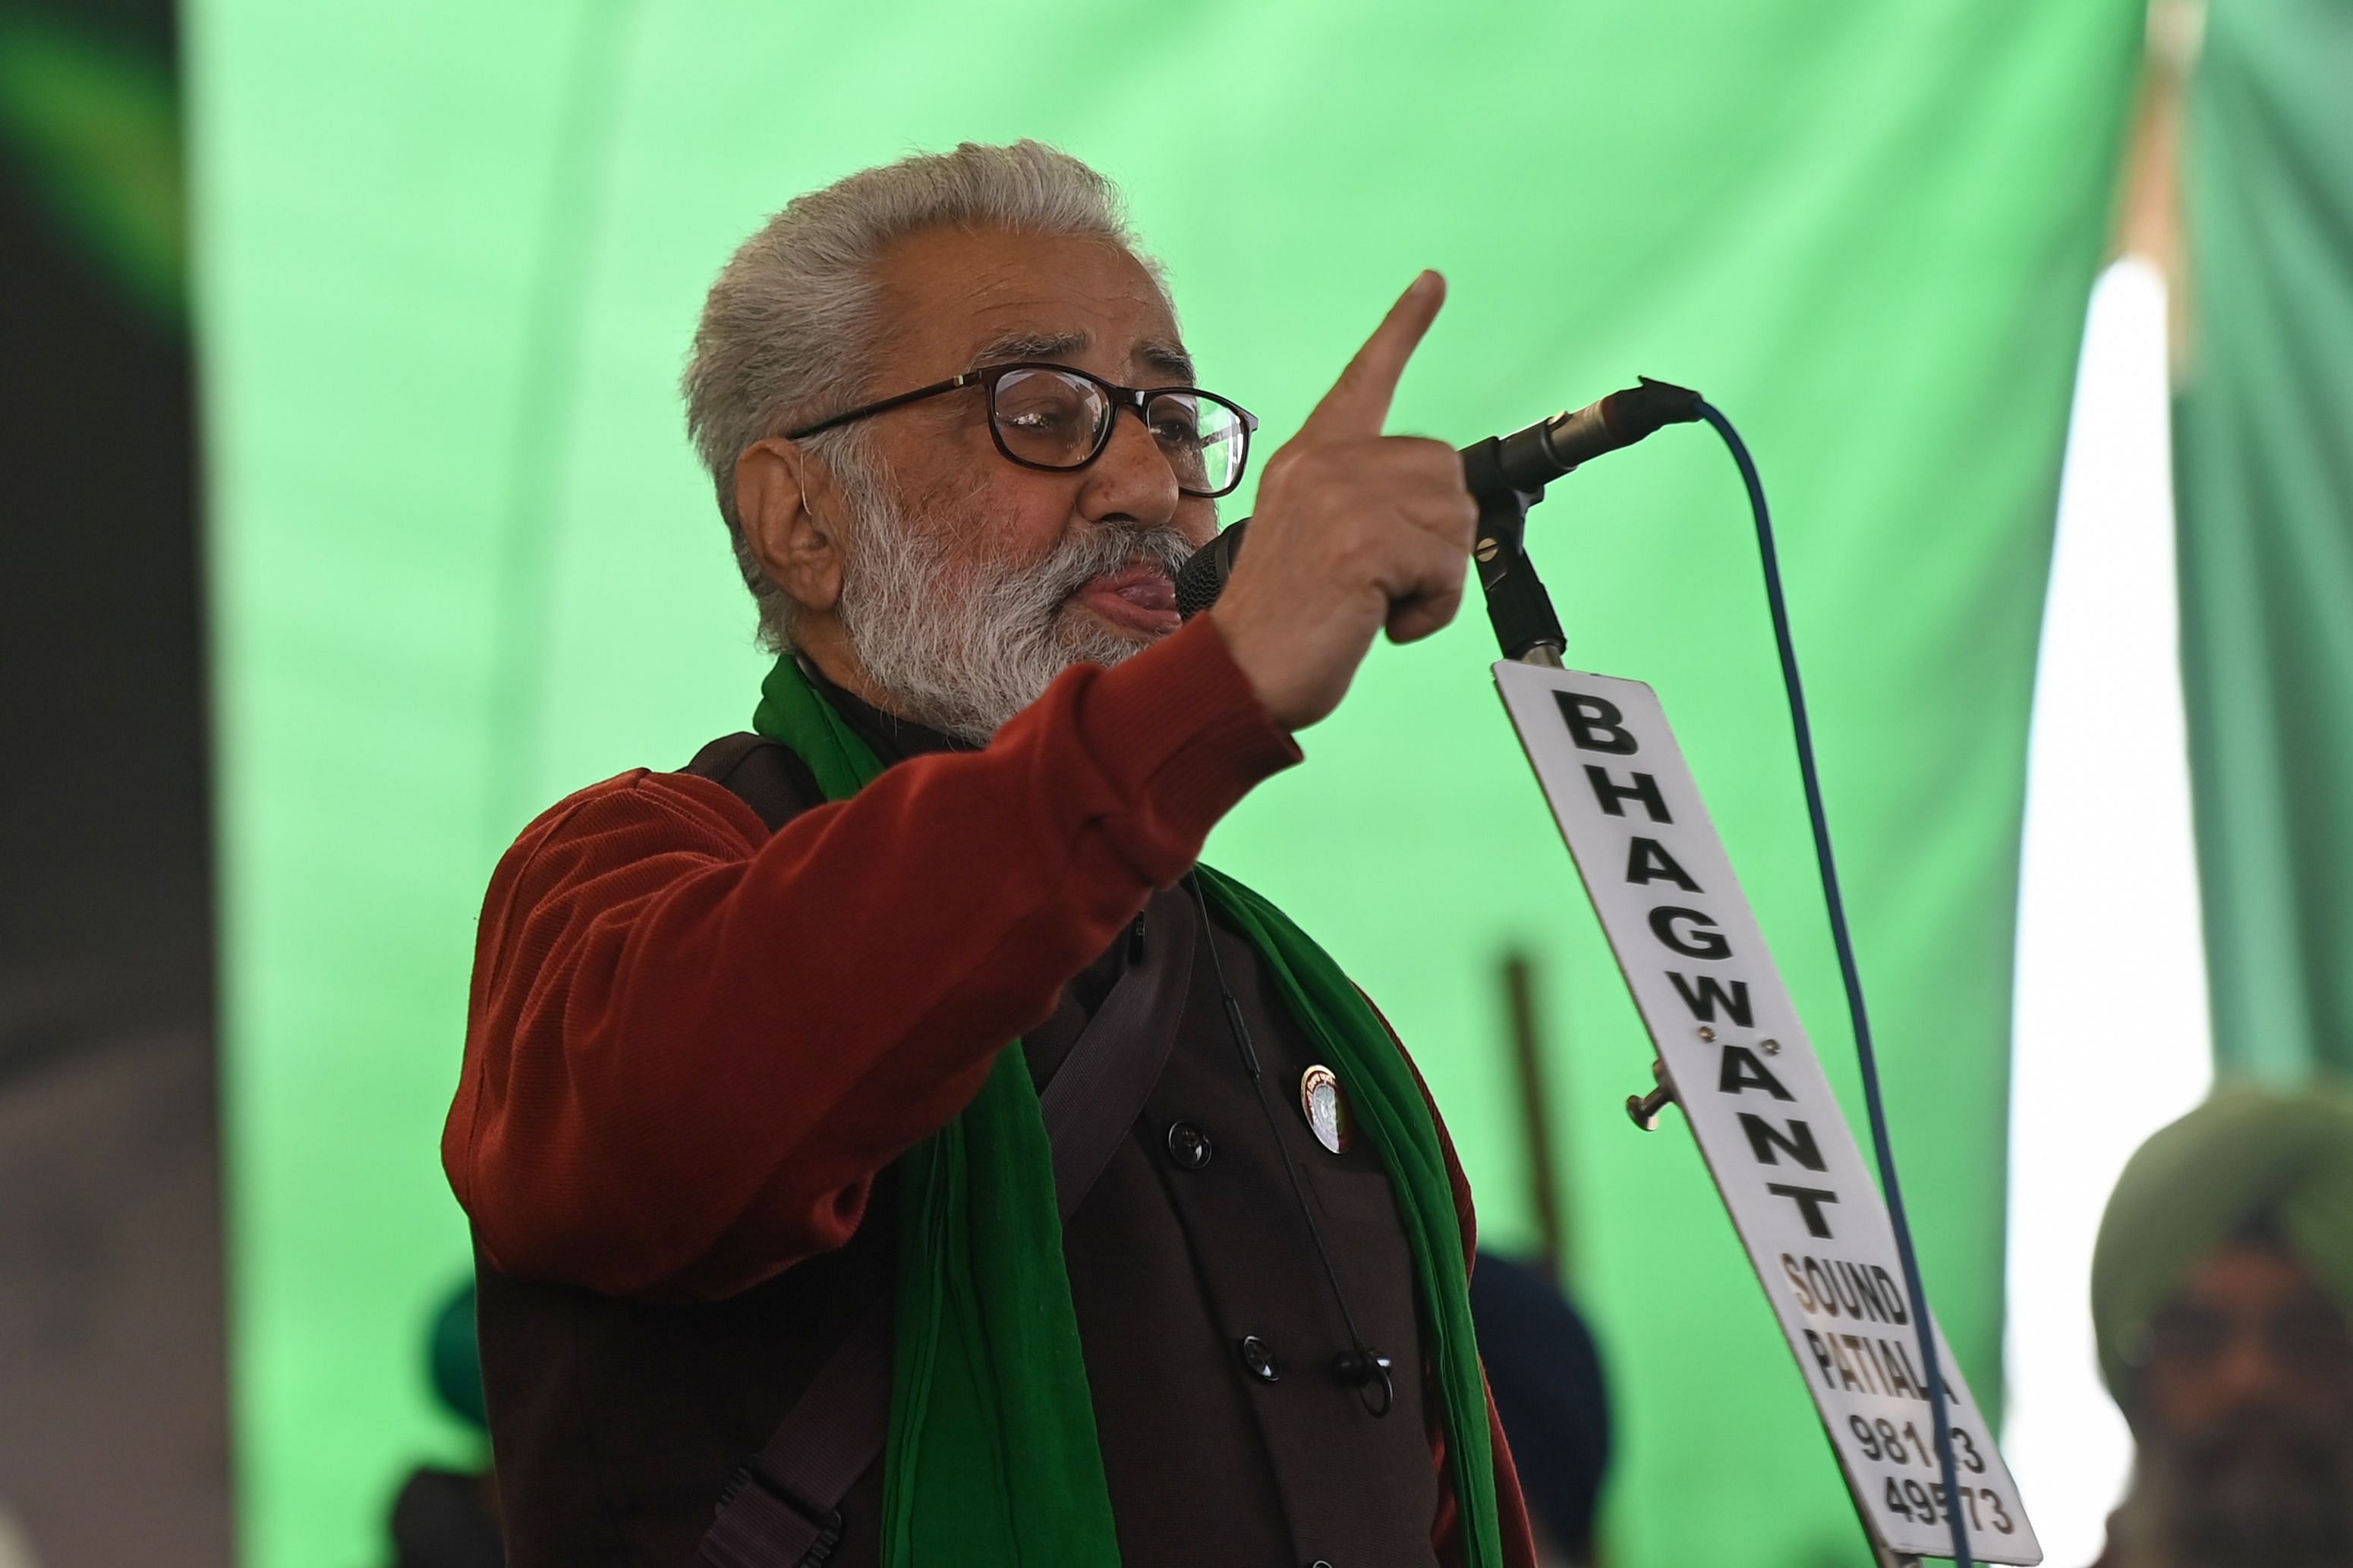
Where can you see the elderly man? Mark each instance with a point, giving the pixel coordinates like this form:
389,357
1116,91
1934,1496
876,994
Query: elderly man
768,1216
2220,1287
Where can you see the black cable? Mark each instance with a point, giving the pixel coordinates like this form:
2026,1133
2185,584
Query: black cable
1361,1364
1866,1057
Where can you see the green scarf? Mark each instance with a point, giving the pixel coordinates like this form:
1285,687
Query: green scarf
993,1460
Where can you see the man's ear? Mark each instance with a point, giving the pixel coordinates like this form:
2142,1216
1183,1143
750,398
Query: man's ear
779,490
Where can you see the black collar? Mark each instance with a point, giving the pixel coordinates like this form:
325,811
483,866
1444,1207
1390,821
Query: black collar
894,739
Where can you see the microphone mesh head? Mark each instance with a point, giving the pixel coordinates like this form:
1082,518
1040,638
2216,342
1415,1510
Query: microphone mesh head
1203,576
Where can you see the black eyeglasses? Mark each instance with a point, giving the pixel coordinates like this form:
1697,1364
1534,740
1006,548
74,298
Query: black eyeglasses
1051,417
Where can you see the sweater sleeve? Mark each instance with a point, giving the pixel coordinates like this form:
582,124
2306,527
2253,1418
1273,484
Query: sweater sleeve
692,1045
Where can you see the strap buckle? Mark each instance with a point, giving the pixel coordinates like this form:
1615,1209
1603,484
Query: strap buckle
740,1515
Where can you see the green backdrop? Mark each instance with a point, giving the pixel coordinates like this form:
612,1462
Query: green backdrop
447,259
2264,480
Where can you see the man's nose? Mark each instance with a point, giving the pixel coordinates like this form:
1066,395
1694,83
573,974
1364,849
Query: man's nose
1132,477
2250,1369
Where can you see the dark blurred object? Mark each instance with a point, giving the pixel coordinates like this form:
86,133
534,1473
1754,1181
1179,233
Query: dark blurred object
1536,1109
1546,1372
446,1518
449,1519
2223,1296
113,1446
1542,1362
455,1360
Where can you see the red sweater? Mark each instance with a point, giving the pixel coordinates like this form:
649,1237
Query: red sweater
961,888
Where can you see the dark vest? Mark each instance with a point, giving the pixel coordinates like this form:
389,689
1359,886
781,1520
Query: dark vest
617,1423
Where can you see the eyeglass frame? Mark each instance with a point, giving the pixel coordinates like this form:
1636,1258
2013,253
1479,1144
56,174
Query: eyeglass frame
1136,397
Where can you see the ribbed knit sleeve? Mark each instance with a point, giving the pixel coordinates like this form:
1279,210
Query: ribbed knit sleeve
692,1045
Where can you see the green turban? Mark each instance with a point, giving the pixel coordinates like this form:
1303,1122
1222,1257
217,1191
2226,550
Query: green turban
2246,1154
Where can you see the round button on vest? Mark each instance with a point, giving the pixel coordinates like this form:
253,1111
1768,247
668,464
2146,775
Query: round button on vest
1189,1146
1258,1357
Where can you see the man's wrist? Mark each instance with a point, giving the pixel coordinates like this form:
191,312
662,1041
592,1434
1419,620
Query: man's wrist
1180,727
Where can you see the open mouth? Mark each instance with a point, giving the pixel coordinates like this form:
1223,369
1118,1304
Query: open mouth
1141,597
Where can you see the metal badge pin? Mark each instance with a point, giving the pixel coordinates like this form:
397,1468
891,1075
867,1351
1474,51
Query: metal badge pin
1327,1113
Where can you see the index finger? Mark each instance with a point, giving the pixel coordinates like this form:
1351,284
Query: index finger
1358,403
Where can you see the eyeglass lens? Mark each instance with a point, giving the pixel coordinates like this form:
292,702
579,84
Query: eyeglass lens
1056,420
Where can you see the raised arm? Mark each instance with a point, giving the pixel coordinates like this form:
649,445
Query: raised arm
690,1046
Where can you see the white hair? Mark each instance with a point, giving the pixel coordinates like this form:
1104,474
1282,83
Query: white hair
789,328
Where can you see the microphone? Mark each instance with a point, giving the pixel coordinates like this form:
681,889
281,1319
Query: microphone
1523,462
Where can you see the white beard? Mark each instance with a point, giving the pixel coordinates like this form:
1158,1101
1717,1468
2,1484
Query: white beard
962,642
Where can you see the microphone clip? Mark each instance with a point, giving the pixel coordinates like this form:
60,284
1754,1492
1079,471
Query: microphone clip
1367,1370
1508,474
1525,624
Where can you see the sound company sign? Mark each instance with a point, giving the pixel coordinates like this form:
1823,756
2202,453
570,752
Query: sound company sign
1741,1068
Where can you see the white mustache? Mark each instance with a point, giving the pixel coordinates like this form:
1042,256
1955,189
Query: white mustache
1106,548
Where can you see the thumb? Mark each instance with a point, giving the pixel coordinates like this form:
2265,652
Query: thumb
1358,403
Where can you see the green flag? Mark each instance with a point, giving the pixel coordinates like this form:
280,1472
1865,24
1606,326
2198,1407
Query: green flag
2263,480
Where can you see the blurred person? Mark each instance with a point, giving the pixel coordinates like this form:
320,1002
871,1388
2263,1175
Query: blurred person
1554,1397
736,1084
2222,1283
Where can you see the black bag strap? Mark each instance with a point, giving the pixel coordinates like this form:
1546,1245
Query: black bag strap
782,1508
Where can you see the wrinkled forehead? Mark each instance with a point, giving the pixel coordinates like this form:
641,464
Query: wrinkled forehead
954,299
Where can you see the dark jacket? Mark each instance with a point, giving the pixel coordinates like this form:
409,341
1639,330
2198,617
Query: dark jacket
848,978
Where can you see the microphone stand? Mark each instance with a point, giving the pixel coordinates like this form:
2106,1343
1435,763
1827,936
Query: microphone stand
1508,475
1517,604
1528,630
